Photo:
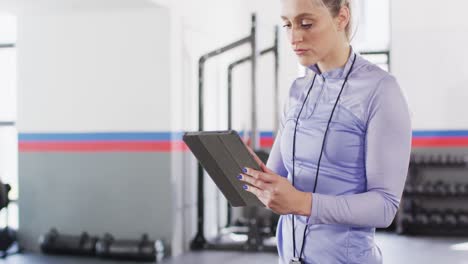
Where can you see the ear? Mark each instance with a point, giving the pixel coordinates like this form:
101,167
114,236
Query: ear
343,18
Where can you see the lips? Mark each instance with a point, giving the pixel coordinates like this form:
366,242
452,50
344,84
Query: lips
300,51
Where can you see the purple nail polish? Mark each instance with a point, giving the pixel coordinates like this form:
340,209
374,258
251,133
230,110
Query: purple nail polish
244,170
239,177
245,187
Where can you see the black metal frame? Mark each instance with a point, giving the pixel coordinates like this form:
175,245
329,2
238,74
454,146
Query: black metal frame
254,242
199,242
231,67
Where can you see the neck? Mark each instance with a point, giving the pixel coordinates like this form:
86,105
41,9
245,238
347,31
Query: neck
337,58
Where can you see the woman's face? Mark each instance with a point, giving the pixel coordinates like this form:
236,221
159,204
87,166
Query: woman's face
311,30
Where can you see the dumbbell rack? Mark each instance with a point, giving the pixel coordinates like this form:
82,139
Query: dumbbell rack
435,196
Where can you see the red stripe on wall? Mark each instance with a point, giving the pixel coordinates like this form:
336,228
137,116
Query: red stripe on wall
441,142
168,146
461,142
90,146
266,142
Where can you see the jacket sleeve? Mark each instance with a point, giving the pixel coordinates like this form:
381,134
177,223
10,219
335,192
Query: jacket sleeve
275,159
387,152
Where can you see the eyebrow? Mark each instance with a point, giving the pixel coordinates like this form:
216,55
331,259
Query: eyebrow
300,16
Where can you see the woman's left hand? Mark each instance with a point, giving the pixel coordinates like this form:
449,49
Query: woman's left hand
276,192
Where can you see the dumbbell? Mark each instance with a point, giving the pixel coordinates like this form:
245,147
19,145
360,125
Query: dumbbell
55,243
452,190
418,159
430,188
421,219
426,160
441,189
461,189
451,160
457,160
465,160
464,191
419,189
437,160
142,250
409,189
450,219
407,206
462,220
442,160
407,220
462,160
413,159
435,218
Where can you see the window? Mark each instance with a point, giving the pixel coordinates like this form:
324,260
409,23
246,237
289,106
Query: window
8,131
372,27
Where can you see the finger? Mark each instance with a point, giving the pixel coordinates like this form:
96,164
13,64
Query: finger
254,190
266,169
258,193
254,182
266,177
256,158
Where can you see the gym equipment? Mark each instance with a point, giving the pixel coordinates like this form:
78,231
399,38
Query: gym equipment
4,190
232,66
450,219
199,242
462,219
263,155
8,238
439,160
435,219
439,189
255,233
434,204
138,250
55,243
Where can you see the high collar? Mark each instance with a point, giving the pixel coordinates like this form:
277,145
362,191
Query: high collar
337,73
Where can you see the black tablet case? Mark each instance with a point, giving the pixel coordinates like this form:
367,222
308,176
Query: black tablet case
223,155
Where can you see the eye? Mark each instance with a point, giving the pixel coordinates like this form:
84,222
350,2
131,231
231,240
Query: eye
287,25
306,23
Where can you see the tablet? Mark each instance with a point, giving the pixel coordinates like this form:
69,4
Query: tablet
223,155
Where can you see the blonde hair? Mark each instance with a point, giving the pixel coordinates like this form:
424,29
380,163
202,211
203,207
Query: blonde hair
334,6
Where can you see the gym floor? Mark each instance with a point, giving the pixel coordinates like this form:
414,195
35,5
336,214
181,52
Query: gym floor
396,249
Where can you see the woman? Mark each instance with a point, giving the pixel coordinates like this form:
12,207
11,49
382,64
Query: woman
339,162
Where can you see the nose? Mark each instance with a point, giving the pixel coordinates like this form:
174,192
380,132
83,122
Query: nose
296,36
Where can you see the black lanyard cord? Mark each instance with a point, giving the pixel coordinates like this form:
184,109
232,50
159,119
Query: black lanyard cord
321,152
294,158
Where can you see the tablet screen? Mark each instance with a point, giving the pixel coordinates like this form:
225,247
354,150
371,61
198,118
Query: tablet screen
223,155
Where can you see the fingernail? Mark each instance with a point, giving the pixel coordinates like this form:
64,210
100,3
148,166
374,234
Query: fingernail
244,170
239,177
245,187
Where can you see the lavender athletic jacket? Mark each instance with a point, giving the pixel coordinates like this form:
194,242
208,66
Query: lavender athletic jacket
363,168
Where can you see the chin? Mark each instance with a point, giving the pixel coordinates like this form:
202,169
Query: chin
307,61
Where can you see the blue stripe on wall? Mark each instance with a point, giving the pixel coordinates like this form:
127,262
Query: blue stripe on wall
121,136
440,133
177,136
